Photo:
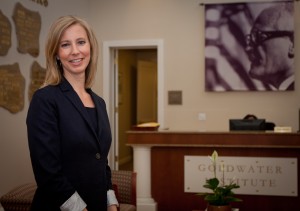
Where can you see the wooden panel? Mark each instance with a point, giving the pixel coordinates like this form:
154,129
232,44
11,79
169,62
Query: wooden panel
208,139
167,164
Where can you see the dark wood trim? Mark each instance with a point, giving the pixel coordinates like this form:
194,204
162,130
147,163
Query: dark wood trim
209,139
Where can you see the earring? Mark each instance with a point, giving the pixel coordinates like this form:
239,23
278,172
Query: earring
58,62
291,51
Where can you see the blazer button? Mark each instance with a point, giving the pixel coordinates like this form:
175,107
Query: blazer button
98,156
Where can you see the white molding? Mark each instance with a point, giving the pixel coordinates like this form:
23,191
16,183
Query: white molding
132,44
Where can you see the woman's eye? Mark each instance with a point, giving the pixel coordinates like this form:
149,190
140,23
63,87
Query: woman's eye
81,42
65,45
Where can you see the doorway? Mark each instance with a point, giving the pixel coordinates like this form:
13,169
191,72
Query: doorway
137,95
122,61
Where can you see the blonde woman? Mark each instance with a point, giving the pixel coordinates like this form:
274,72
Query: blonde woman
68,128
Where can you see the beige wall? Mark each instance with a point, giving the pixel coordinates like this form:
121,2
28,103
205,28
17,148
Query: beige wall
179,23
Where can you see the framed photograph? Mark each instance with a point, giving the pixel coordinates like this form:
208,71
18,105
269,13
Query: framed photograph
249,46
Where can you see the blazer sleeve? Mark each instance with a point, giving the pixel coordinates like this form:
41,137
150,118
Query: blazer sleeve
109,182
44,145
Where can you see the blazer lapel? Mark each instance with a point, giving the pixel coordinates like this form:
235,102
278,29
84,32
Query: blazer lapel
72,96
98,108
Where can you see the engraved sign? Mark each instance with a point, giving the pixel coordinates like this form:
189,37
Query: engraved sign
254,175
12,85
37,78
5,34
28,26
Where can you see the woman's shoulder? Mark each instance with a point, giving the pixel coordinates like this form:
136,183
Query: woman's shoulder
46,92
44,97
48,88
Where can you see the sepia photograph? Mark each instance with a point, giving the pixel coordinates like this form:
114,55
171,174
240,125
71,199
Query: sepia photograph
249,46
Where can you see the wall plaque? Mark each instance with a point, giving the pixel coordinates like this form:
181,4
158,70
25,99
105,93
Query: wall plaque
5,34
255,175
12,86
28,26
37,78
41,2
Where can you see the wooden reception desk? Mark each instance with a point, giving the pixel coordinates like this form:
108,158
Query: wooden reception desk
159,163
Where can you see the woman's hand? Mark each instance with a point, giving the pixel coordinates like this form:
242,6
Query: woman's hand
85,209
112,208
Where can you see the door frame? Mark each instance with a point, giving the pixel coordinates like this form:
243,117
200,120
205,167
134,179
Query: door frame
109,90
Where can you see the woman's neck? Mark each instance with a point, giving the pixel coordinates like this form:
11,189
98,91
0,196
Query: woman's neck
78,84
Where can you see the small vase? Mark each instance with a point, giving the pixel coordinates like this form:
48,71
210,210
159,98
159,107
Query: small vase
219,208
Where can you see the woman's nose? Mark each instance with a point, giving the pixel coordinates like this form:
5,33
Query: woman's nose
75,49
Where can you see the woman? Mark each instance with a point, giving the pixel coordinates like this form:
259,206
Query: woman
68,128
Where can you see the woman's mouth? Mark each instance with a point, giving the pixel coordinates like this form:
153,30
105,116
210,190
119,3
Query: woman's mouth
76,60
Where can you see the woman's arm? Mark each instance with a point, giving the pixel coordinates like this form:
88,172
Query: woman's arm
44,145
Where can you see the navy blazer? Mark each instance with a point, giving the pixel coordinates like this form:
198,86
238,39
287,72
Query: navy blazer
67,153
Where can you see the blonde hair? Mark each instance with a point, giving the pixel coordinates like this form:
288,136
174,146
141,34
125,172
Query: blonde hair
54,72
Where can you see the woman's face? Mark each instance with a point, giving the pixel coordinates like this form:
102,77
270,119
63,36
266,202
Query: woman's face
74,50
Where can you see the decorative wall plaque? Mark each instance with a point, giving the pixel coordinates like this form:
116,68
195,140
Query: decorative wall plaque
41,2
28,26
12,86
175,97
5,34
37,78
